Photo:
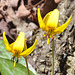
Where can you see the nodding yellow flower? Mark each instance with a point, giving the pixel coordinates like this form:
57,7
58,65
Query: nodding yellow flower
50,23
19,47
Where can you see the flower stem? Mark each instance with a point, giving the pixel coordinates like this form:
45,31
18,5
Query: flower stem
27,65
53,56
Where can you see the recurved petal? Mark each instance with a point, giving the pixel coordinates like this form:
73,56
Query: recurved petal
58,25
19,43
52,21
6,43
25,45
40,20
62,27
29,50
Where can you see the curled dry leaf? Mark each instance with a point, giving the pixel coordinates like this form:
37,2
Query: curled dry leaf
8,19
10,12
48,6
3,27
22,11
0,16
13,3
33,2
2,2
13,32
57,1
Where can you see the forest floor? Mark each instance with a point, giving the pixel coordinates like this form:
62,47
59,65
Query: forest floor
22,16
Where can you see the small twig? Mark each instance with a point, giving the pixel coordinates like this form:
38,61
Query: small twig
36,4
2,13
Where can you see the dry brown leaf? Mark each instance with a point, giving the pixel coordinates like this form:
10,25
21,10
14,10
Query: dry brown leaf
13,32
33,2
57,1
48,6
33,17
0,16
22,11
8,19
6,10
13,3
10,12
3,27
2,2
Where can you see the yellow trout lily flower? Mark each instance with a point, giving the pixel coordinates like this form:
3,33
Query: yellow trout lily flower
50,23
19,47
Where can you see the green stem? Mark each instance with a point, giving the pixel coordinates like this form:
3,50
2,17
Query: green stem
53,56
27,65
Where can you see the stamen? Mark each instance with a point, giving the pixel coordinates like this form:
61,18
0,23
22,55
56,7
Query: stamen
45,36
17,60
52,37
15,63
48,41
48,35
12,59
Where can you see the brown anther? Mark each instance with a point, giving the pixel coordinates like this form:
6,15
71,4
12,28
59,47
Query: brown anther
12,59
45,37
52,38
17,60
48,35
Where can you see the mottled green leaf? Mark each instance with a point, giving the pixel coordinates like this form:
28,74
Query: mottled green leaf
7,67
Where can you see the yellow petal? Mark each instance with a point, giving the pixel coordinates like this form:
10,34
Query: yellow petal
11,45
47,16
41,23
48,41
62,27
29,50
52,21
58,25
25,45
19,43
6,43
